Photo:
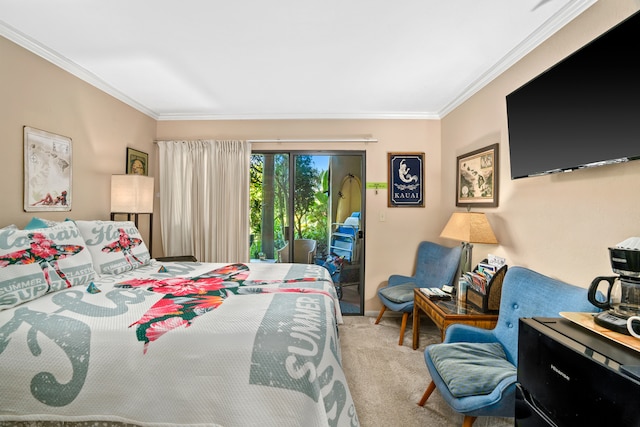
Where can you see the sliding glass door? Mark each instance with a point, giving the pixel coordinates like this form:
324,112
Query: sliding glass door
306,207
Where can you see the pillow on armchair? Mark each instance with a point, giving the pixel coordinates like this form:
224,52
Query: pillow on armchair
470,369
400,293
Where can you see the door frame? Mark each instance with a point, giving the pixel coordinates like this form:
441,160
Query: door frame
363,166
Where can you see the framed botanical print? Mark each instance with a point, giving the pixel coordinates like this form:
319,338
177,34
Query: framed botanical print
137,162
47,171
477,178
406,179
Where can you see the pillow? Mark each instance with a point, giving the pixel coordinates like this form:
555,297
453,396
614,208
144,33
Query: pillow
115,246
10,227
39,223
399,293
471,369
43,260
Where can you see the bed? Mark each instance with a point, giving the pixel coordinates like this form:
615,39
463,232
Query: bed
153,343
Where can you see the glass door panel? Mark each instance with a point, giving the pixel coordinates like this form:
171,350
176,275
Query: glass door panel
306,207
270,200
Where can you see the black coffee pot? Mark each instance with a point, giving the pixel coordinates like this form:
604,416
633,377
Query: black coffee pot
622,295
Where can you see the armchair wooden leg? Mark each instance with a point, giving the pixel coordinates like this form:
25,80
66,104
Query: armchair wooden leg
382,310
427,393
468,421
405,316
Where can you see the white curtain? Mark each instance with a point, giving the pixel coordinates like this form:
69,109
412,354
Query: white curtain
204,199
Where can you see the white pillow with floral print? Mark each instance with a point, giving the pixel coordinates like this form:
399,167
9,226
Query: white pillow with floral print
39,261
115,246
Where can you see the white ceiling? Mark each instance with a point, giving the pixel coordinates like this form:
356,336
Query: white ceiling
252,59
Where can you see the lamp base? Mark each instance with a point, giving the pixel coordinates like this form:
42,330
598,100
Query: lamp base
465,257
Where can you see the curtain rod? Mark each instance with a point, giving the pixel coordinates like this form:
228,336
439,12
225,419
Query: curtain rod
315,140
306,140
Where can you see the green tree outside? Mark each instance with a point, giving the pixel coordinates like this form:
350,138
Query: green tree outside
269,202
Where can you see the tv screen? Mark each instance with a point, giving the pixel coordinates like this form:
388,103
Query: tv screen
582,112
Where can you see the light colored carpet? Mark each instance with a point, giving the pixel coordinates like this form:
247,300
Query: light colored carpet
387,380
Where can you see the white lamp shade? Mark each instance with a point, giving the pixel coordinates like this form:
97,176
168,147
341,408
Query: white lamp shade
131,194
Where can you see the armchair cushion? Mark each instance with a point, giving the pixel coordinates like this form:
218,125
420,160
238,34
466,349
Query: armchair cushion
398,279
459,332
470,369
400,293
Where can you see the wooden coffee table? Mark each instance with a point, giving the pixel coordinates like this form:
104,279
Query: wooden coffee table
447,312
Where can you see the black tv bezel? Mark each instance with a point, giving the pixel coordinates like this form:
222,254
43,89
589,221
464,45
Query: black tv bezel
632,23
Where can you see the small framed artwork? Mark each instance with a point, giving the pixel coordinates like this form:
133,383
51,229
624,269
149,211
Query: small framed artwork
406,179
47,171
477,178
137,162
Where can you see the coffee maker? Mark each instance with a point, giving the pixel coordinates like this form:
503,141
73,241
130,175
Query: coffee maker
622,292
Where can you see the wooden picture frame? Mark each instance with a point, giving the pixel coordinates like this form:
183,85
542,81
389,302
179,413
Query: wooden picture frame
477,178
47,171
406,179
137,162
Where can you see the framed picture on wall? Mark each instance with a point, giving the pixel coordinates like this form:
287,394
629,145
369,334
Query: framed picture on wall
406,179
47,171
477,178
137,162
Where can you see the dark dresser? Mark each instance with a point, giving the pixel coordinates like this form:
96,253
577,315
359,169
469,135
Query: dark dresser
570,376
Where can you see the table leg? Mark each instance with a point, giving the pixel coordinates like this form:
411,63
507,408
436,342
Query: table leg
416,327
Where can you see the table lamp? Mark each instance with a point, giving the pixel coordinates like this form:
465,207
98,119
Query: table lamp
133,195
468,227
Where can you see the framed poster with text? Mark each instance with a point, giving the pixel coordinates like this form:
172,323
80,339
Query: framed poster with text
406,179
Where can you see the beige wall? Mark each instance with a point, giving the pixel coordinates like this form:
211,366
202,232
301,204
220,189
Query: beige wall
562,224
559,225
390,245
38,94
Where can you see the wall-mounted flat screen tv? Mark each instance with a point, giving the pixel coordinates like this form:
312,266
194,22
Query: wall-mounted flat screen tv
582,112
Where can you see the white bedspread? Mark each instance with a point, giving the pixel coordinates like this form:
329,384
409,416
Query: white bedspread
200,344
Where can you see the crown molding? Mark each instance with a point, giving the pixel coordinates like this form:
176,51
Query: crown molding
550,27
69,66
310,116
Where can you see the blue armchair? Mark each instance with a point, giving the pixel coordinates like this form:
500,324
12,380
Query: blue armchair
436,266
475,369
